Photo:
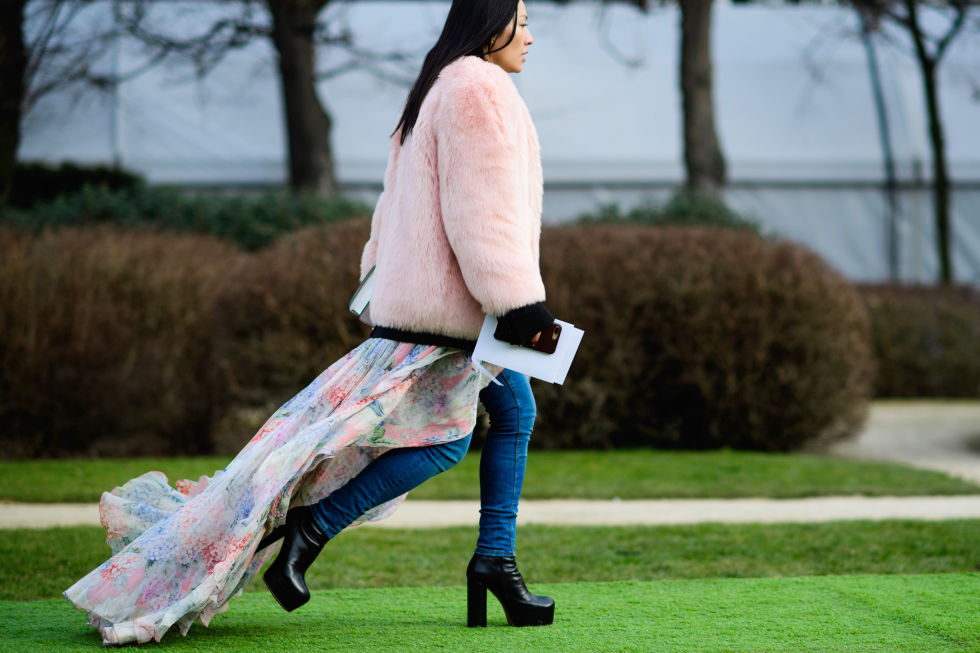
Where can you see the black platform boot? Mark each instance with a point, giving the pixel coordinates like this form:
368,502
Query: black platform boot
500,576
302,543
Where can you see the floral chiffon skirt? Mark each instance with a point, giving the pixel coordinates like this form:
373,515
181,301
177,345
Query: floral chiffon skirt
180,554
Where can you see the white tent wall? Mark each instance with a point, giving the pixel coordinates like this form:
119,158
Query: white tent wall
793,103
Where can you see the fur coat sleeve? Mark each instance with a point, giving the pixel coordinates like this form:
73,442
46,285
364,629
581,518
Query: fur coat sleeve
482,152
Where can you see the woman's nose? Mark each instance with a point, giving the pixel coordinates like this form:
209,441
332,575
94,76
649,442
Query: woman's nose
529,39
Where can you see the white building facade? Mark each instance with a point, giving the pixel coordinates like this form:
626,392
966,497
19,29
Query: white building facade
793,101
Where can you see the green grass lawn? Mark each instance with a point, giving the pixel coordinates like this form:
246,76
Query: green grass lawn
40,564
628,474
851,614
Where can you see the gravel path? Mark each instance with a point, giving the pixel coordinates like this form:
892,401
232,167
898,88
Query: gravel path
439,514
938,435
943,436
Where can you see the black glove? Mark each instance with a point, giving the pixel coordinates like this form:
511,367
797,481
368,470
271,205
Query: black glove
518,326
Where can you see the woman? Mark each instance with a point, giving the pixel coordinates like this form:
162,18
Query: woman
454,236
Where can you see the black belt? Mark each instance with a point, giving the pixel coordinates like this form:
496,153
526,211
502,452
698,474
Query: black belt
421,338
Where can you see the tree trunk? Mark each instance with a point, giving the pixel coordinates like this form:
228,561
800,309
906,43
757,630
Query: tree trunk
307,124
940,175
887,151
944,236
703,159
13,63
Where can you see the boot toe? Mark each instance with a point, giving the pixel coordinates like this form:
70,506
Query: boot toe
287,594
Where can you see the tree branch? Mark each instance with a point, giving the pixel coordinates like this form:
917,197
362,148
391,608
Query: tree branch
54,25
203,51
367,59
958,21
606,40
59,53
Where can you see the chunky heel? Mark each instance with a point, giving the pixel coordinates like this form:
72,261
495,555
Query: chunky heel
476,603
500,576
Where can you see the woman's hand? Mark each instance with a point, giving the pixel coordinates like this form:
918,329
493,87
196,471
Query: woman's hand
515,327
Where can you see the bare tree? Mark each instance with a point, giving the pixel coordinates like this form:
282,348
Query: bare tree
296,29
929,45
703,159
56,52
704,162
310,152
884,136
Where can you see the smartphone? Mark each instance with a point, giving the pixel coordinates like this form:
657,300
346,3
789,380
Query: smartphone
548,340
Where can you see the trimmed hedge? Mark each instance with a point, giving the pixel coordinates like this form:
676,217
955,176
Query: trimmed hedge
122,342
106,346
926,340
701,338
252,222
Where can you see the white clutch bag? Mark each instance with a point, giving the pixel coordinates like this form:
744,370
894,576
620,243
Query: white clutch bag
360,303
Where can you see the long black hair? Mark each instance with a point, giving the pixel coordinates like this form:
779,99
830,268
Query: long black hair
469,27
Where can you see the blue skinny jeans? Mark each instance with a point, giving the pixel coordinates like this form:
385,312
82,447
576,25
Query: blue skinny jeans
512,411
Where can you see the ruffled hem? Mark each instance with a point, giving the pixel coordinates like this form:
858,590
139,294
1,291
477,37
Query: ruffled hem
180,553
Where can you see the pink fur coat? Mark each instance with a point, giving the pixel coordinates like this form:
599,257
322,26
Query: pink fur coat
455,231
